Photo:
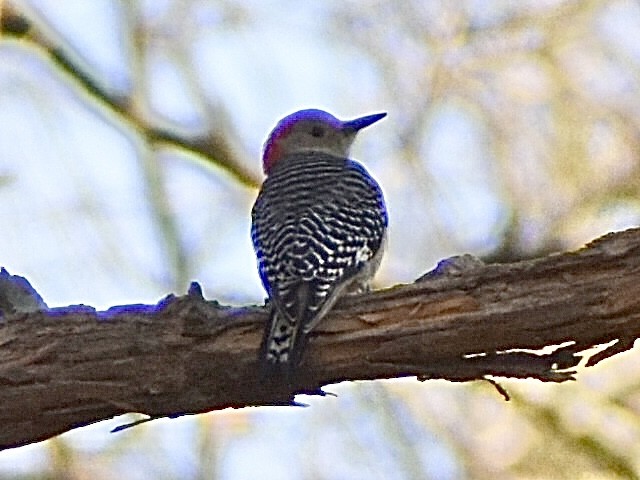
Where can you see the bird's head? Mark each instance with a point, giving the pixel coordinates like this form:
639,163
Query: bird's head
312,130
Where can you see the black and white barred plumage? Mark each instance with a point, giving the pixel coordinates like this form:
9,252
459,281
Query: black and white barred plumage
318,228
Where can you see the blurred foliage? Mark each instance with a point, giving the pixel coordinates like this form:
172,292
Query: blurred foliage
554,86
513,132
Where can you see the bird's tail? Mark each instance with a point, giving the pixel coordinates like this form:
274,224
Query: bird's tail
282,344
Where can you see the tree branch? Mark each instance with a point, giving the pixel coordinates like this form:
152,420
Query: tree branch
66,367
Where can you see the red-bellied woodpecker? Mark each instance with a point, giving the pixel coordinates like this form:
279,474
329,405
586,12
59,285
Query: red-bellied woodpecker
318,227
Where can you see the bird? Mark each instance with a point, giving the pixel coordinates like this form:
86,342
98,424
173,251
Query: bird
318,228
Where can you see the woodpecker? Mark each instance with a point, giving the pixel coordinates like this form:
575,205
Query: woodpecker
318,227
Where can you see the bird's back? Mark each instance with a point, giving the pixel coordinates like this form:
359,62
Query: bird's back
317,221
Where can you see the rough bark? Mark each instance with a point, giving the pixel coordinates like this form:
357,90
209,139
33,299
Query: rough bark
66,367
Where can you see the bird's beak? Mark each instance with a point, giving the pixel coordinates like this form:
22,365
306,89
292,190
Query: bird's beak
360,123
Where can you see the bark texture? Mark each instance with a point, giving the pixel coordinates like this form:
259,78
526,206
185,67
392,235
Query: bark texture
66,367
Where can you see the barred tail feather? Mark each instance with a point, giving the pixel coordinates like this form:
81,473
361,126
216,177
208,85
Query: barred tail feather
282,344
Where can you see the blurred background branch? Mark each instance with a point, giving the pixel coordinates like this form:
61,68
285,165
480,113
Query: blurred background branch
220,146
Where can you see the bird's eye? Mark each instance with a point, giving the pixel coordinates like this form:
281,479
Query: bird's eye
317,131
